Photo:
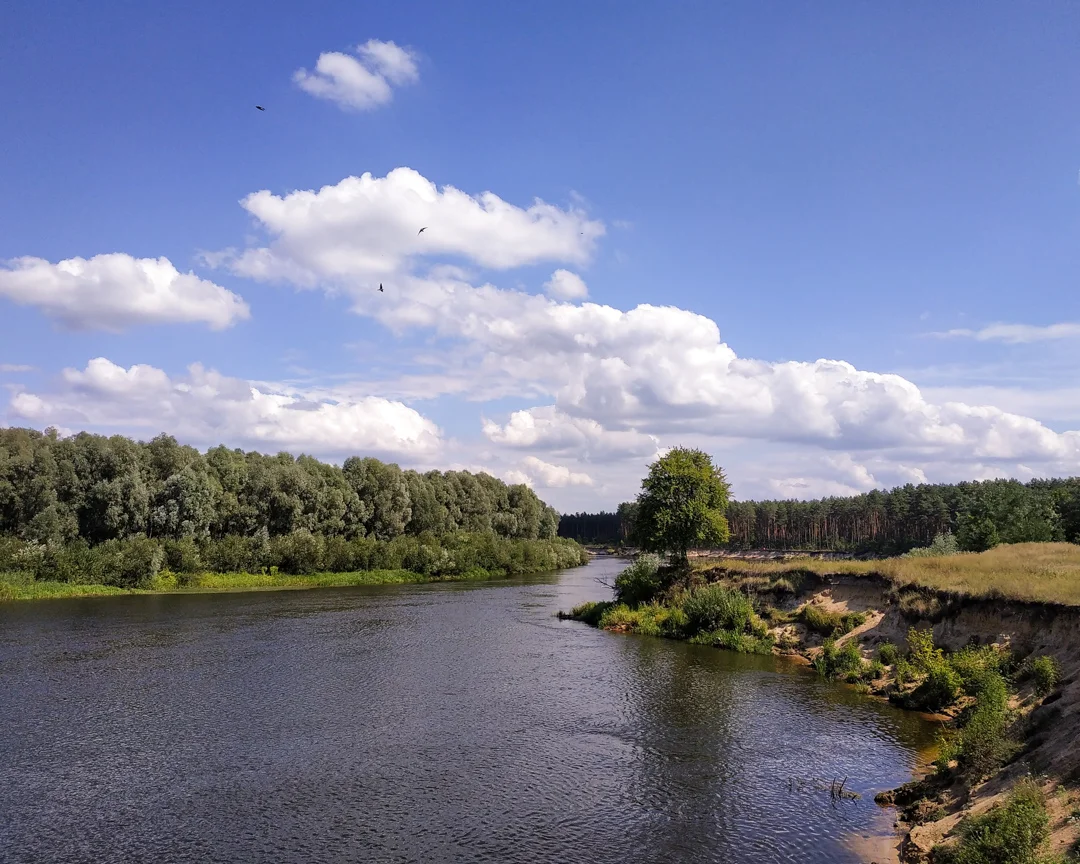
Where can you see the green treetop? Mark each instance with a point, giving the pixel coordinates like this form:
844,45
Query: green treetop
681,504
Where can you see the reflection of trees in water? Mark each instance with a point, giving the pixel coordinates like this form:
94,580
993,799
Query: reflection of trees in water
719,737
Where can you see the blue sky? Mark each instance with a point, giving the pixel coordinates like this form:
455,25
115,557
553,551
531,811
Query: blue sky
843,183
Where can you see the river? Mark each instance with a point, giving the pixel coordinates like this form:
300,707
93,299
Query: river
421,723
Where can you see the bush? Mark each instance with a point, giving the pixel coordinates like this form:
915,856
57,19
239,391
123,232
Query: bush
1046,672
938,690
590,612
639,583
833,662
973,664
922,654
1011,834
888,653
942,545
715,607
829,623
983,744
182,556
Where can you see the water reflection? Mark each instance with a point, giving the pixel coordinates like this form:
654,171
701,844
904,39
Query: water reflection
457,722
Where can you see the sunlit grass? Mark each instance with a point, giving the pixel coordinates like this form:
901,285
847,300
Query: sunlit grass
22,589
1046,572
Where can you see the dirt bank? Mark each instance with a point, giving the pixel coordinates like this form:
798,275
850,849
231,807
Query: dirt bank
1049,726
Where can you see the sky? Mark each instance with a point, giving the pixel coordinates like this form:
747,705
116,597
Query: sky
835,246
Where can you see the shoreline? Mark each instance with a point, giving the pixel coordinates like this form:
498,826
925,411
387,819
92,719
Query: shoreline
874,609
238,583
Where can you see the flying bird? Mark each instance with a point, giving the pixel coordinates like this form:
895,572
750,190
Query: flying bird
421,231
380,287
260,107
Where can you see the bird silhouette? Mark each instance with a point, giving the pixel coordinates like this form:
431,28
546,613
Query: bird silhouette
260,107
421,231
380,287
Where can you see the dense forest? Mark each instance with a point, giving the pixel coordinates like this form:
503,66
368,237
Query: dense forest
125,509
980,514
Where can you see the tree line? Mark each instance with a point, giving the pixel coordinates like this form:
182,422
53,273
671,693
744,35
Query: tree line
116,511
979,514
98,488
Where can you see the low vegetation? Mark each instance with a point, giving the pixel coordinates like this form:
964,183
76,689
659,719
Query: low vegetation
1039,572
30,570
1013,833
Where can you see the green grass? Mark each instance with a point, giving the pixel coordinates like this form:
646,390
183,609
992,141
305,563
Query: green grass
827,623
168,583
1041,572
1010,834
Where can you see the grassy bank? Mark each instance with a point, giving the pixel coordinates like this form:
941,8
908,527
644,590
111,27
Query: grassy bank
171,583
1036,572
1003,677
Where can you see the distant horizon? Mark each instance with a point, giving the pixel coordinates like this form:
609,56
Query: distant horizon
835,249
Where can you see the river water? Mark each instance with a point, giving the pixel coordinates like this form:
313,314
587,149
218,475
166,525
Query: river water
430,723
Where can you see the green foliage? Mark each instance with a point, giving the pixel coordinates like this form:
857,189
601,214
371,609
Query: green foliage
715,607
942,544
1046,673
922,654
977,534
888,653
973,664
682,503
591,611
640,582
833,662
54,490
938,689
830,623
1011,834
983,744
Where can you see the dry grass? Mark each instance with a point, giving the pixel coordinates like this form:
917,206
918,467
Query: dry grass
1044,572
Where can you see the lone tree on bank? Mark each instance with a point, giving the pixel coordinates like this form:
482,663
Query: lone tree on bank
681,504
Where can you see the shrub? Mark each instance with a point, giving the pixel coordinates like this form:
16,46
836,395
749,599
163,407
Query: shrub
938,690
182,556
888,653
1011,834
983,744
639,583
591,611
829,623
833,662
942,545
973,664
715,607
922,654
1046,672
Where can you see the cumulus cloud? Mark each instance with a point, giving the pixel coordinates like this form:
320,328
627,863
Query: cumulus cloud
541,473
550,430
565,285
1018,333
363,230
116,291
206,407
361,82
617,381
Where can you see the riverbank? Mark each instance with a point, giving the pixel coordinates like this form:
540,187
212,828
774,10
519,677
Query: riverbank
197,583
990,641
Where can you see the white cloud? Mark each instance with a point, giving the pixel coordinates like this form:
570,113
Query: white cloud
565,285
206,407
365,230
616,384
1015,334
550,430
116,291
545,474
15,367
363,82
